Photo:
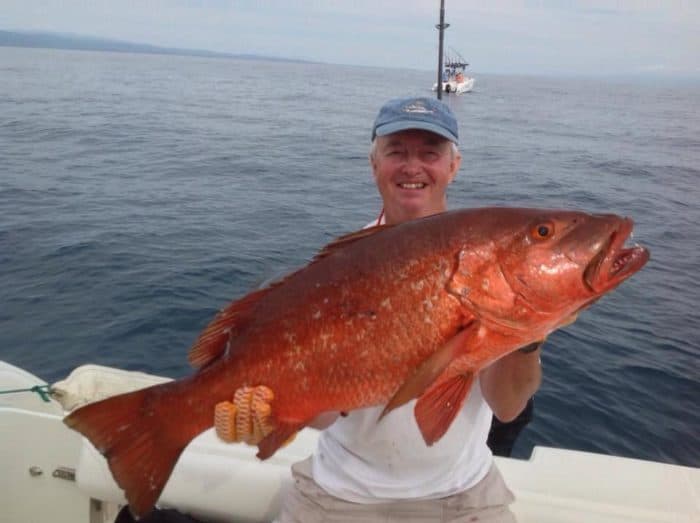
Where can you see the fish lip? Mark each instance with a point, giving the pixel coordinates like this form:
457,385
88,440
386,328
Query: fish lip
593,269
614,262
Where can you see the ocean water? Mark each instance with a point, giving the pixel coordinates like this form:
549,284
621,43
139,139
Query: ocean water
140,193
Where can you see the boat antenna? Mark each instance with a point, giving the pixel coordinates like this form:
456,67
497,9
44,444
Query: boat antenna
441,28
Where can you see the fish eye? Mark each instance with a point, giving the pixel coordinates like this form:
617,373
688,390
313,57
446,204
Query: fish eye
542,230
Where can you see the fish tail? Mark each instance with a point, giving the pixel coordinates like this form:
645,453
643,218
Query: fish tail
141,444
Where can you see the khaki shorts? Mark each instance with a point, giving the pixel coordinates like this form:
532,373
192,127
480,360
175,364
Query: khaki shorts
485,502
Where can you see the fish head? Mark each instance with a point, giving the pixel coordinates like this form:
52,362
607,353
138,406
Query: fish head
556,263
563,261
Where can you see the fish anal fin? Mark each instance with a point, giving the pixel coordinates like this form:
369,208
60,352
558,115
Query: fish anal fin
277,439
436,409
431,368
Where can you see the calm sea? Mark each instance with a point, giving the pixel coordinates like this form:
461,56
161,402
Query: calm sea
139,194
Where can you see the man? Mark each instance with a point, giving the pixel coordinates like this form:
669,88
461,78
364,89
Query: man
368,471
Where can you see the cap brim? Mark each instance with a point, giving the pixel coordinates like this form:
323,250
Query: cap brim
406,125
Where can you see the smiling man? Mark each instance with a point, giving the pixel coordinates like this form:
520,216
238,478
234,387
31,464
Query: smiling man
363,470
414,157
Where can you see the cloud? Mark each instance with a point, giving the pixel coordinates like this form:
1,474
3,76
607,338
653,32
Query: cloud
524,36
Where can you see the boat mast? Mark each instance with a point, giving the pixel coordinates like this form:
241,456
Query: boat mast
441,28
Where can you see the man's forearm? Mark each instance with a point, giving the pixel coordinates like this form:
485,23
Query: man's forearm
510,382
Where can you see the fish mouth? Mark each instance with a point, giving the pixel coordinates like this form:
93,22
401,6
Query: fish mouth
615,262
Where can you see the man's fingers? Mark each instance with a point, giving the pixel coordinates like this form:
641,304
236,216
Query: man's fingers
261,420
260,406
224,421
243,420
247,418
262,394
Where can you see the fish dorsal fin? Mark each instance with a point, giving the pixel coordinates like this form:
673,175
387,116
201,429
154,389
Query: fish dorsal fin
347,239
214,339
432,368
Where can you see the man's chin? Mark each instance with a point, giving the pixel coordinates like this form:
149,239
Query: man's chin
412,198
414,209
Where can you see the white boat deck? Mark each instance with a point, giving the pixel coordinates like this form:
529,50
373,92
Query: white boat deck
557,486
223,482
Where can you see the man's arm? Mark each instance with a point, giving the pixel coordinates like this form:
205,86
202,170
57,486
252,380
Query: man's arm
510,382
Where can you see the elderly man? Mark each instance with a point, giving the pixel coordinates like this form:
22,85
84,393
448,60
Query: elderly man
368,471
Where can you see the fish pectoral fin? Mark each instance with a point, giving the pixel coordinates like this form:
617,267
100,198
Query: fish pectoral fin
437,408
281,436
431,368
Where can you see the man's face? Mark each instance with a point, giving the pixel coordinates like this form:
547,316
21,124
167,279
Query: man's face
412,170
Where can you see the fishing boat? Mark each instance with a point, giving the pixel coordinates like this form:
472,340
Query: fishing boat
454,78
51,473
451,77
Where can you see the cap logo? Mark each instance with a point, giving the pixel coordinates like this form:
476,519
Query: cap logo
417,107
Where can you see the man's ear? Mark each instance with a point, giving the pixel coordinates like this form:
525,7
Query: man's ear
454,166
373,165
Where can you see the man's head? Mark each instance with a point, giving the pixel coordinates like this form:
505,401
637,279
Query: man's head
414,156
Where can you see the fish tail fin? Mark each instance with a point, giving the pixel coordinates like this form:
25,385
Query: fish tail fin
141,446
436,409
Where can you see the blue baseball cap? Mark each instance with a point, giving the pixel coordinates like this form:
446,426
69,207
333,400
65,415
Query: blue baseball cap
427,114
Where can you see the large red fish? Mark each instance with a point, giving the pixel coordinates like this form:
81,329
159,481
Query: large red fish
379,317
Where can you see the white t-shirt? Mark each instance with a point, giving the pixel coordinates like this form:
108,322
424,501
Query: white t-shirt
361,460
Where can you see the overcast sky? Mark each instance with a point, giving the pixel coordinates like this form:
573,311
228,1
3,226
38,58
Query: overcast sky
497,36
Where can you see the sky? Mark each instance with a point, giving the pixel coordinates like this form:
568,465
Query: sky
587,37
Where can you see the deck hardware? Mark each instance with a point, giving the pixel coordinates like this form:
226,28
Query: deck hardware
64,473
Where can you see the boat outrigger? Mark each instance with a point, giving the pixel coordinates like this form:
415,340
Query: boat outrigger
450,72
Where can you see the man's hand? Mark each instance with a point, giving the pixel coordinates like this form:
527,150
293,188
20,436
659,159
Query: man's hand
247,419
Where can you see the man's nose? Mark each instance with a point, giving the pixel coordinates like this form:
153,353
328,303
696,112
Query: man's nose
413,165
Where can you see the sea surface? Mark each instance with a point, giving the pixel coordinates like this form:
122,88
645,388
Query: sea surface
140,193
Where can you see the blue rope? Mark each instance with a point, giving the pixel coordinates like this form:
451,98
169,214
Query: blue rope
41,390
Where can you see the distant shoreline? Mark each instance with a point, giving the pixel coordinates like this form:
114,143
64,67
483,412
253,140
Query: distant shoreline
48,40
71,42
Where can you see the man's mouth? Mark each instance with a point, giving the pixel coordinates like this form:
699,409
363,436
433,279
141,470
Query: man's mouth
414,185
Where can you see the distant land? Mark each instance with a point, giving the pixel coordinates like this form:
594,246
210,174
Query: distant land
40,39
